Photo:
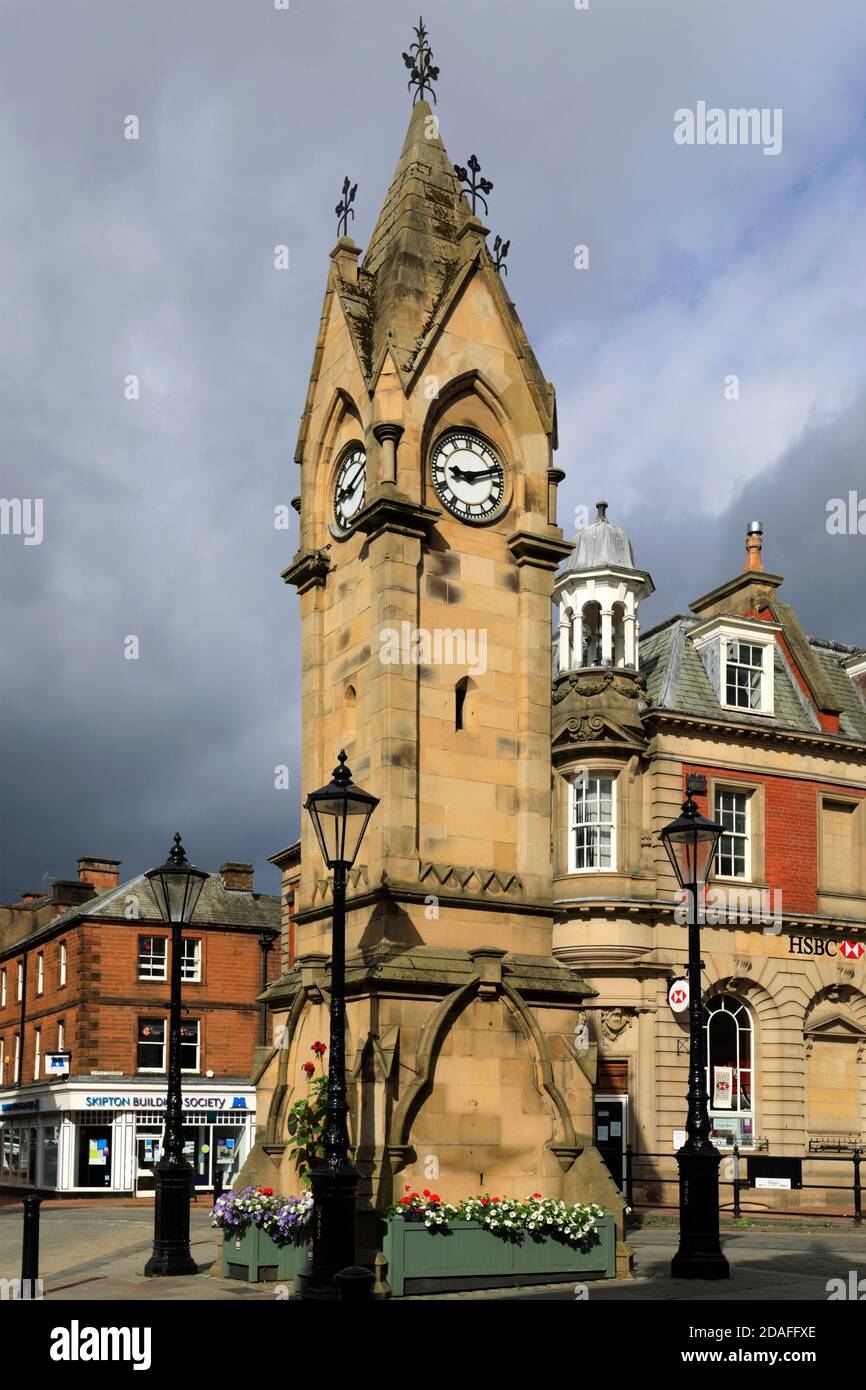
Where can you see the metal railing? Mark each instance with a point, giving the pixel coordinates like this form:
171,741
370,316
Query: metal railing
738,1183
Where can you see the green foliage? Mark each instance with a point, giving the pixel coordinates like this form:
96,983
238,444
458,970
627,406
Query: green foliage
306,1123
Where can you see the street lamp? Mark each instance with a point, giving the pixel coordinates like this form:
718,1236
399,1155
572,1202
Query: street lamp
175,886
339,812
691,842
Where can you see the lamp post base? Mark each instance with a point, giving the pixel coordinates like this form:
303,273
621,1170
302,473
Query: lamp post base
700,1253
333,1230
171,1252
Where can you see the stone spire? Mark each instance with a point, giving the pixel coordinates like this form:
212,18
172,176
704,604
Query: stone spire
414,250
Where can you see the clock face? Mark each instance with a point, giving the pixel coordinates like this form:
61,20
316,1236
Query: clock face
350,487
467,475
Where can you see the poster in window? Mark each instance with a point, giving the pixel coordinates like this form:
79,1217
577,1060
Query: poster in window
723,1087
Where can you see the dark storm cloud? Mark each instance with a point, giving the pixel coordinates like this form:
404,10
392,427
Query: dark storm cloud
155,258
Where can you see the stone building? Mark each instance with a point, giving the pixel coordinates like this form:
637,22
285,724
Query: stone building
767,728
428,549
513,926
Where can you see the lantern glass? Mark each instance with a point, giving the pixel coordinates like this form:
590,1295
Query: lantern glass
691,842
176,886
340,813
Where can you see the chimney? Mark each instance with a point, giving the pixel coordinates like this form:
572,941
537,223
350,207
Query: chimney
31,896
238,877
102,874
69,892
754,543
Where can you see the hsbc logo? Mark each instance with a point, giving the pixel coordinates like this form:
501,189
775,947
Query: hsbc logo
678,996
800,945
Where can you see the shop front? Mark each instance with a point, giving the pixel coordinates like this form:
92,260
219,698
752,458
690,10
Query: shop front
72,1137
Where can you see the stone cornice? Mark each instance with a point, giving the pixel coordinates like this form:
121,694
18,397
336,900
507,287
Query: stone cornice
545,552
568,908
760,733
307,571
390,510
407,893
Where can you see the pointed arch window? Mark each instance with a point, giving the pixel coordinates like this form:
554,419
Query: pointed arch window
350,713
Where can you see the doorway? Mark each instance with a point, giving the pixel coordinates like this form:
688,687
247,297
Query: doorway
610,1131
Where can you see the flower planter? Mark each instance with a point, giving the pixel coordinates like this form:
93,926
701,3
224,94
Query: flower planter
468,1256
255,1258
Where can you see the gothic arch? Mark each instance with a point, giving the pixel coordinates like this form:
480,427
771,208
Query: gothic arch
470,401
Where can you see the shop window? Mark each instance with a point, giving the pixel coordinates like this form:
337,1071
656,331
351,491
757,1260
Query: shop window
733,859
592,831
40,972
189,1045
190,962
151,1044
93,1167
730,1069
153,957
62,973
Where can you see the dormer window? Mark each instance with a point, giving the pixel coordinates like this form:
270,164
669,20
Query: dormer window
744,674
738,656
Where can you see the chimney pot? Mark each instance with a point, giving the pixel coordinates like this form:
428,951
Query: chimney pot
754,544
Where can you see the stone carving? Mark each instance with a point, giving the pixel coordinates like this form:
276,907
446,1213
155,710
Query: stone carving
631,685
614,1023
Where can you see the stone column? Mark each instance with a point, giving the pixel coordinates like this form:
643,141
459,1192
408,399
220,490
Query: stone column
388,436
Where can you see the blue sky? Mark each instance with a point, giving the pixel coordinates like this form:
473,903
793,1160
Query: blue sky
155,257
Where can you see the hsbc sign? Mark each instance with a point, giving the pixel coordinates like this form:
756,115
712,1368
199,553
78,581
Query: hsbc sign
801,945
678,996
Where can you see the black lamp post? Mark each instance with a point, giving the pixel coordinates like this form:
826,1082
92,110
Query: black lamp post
691,842
339,813
176,886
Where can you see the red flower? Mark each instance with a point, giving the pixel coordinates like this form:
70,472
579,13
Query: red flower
319,1049
407,1188
484,1201
309,1068
434,1197
495,1199
404,1201
537,1194
426,1192
266,1191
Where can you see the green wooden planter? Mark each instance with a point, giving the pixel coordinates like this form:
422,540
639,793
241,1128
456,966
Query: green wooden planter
467,1256
255,1258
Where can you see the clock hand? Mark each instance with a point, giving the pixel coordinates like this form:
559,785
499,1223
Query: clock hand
463,476
347,490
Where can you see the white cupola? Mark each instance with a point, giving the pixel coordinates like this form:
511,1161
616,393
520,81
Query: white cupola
598,591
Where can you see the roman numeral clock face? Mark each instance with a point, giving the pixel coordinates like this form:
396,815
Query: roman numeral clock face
468,477
350,487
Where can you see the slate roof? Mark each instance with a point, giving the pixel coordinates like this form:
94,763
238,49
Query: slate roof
676,680
217,906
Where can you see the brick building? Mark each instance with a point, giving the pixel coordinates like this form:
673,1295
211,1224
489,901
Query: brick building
84,972
767,728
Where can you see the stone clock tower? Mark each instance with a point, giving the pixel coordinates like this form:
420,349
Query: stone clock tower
428,546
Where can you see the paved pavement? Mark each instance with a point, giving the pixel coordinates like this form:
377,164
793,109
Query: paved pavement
97,1252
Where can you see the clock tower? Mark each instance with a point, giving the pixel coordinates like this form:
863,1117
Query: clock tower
428,546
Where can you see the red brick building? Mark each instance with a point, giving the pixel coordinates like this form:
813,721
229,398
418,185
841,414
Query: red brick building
84,972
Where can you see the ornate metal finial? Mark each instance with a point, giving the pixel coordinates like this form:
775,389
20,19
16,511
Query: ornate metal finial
602,511
475,187
500,251
177,853
341,774
419,61
344,209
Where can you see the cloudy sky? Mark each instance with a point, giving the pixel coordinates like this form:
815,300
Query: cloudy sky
154,258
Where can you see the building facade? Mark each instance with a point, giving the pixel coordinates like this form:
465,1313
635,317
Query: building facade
766,727
428,548
84,993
